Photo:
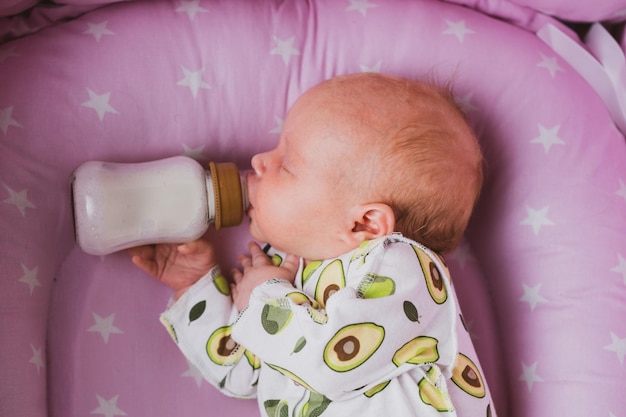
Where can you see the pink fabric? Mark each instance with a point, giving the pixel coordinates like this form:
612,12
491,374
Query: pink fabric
579,11
11,7
541,277
527,12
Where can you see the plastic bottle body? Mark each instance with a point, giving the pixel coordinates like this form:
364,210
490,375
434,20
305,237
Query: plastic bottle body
117,205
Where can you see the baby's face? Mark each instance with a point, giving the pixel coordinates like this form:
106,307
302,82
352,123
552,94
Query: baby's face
296,202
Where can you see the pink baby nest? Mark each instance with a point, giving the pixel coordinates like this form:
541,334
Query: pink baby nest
541,275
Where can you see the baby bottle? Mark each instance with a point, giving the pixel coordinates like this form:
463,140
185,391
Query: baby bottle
120,205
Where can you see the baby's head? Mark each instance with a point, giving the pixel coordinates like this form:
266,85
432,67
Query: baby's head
366,155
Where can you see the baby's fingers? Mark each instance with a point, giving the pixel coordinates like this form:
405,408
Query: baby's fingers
259,258
291,263
237,276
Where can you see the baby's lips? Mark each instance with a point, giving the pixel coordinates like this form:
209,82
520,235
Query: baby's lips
250,178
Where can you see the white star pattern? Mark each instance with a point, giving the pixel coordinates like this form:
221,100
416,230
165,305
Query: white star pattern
98,30
621,13
622,189
30,278
548,137
37,358
551,64
285,48
108,408
7,53
529,375
104,326
193,80
458,29
465,103
191,7
532,297
7,120
374,68
194,153
462,254
100,103
537,219
279,126
621,267
361,6
618,345
19,200
193,373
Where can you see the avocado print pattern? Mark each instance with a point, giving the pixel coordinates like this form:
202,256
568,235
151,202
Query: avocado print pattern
352,346
375,390
418,351
253,360
331,280
377,286
467,377
222,349
433,391
315,406
274,319
383,345
434,278
308,270
295,378
276,408
222,285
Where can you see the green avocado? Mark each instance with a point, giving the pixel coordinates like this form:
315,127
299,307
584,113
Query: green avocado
467,377
430,394
222,349
352,345
274,319
315,406
301,298
378,286
418,351
362,251
276,408
291,376
375,390
276,260
253,360
222,285
332,279
434,277
309,269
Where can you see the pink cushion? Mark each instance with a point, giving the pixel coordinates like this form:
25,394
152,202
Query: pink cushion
541,277
12,7
571,10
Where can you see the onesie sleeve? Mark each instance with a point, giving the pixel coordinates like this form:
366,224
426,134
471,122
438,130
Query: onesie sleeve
200,323
364,319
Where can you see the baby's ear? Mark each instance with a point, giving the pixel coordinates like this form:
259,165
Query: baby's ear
372,221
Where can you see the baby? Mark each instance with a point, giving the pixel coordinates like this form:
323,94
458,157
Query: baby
346,314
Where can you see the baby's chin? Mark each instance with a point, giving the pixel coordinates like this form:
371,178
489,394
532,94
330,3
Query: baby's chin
257,235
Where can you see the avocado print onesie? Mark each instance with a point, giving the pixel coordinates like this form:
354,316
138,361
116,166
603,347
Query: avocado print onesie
372,332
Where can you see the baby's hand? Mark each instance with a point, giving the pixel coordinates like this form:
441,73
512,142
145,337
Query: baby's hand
177,266
257,269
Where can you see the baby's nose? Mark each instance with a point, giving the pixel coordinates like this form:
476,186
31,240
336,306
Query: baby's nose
258,164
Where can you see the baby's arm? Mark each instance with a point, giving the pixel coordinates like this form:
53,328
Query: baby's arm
366,333
177,266
203,309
